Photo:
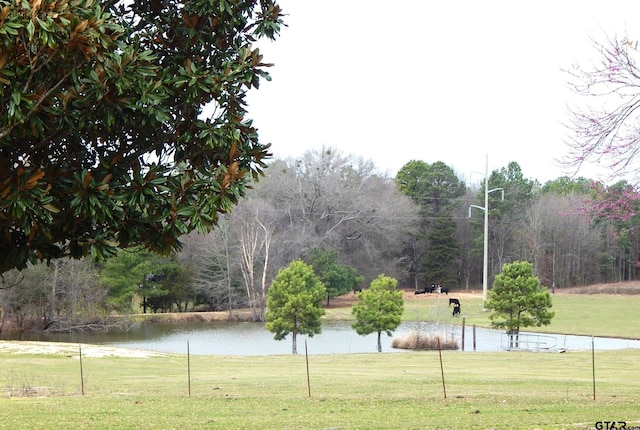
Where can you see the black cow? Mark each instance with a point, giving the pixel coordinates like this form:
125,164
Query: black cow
454,302
445,290
456,310
426,290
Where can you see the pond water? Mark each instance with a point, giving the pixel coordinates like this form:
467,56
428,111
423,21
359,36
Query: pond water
337,337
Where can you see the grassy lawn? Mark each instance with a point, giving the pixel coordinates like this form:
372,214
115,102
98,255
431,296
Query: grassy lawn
376,391
591,315
350,391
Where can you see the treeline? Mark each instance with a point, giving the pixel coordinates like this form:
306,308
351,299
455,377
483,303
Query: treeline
352,223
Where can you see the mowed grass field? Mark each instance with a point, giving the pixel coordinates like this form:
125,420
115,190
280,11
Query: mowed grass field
609,315
352,391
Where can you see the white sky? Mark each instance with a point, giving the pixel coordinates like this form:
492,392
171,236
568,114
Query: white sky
455,81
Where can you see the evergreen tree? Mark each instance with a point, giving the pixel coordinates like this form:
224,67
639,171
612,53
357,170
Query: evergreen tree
441,262
337,278
435,188
379,308
158,281
293,303
518,299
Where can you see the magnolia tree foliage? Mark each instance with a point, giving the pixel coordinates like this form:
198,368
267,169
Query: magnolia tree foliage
379,308
294,303
518,299
103,141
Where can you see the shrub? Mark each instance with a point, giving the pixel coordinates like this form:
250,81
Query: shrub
425,341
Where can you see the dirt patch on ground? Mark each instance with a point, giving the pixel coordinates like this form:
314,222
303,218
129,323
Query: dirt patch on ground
72,350
616,288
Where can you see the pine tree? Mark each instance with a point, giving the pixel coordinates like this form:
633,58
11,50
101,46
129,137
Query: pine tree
379,308
294,303
518,299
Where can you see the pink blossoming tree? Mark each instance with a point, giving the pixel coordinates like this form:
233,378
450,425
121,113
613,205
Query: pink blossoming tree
607,128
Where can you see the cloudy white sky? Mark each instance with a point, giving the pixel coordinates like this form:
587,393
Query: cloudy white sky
458,81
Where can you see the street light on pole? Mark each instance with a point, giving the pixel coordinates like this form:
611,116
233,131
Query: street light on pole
485,261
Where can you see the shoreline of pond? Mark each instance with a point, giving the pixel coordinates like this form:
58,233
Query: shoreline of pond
245,316
337,311
178,318
218,336
239,316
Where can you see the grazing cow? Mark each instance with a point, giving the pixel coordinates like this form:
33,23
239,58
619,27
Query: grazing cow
454,302
425,290
456,310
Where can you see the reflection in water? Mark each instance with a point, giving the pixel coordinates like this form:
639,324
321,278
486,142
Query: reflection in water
248,339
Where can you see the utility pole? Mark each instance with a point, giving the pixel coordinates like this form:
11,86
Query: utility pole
485,260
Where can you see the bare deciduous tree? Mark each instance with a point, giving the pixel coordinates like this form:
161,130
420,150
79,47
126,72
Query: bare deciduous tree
210,260
254,223
339,202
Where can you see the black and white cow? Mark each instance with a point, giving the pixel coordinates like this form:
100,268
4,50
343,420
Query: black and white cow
456,310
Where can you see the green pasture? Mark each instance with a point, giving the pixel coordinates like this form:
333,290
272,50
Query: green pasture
590,315
355,391
402,390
